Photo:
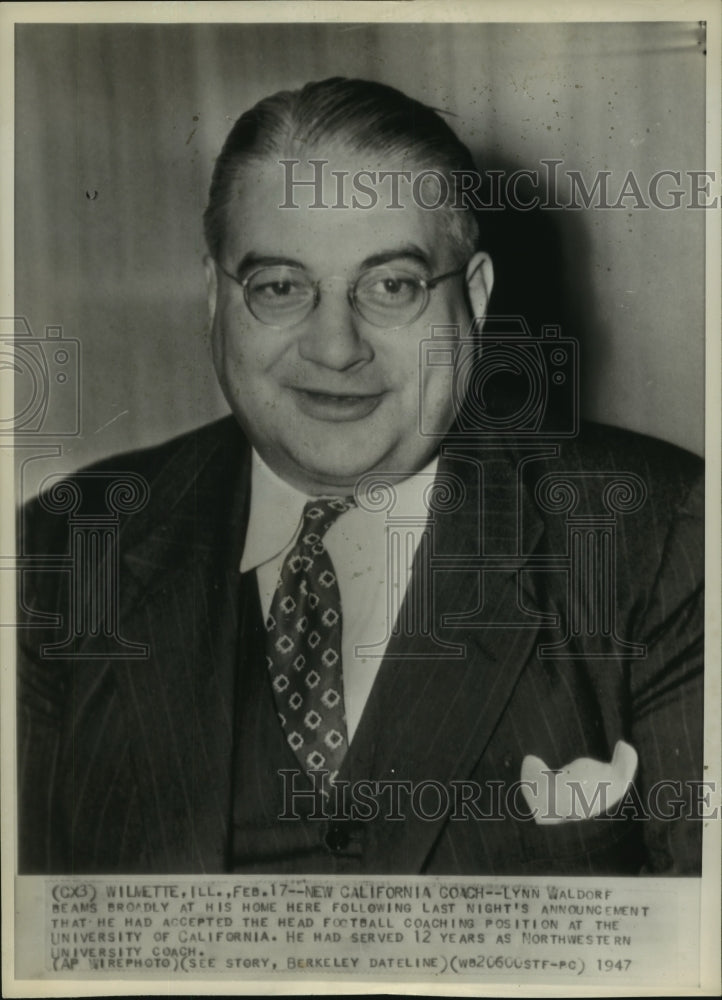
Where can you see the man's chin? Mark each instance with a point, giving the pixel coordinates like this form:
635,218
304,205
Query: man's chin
339,473
318,468
340,478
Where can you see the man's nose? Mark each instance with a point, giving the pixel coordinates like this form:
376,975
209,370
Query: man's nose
331,336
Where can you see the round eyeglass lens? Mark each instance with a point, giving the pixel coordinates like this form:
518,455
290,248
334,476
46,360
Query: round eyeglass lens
280,295
389,296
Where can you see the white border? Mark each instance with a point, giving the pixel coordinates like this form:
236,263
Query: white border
434,11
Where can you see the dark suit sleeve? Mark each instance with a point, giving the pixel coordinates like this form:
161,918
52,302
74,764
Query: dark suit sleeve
41,717
667,695
41,696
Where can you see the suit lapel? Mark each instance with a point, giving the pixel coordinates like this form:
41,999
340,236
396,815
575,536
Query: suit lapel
430,717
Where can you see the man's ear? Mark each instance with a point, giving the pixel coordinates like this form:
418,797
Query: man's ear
209,266
479,283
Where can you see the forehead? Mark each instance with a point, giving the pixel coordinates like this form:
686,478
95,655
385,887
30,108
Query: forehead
332,210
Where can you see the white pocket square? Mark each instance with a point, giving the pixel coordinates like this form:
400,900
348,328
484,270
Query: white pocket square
581,790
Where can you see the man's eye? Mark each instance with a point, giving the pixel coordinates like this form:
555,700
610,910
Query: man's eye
390,287
278,289
274,288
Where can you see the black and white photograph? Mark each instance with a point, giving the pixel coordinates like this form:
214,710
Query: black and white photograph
363,376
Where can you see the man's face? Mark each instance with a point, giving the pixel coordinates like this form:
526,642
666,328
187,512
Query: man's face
333,397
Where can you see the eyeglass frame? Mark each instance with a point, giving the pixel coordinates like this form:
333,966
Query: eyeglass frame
426,284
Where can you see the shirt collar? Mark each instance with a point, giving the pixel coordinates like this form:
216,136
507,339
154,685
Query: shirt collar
276,509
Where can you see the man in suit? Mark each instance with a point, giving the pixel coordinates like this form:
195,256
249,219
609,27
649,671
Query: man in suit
359,626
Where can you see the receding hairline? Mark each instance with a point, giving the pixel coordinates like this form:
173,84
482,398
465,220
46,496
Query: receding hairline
463,229
368,122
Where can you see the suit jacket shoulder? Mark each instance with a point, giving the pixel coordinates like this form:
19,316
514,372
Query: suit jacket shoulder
177,486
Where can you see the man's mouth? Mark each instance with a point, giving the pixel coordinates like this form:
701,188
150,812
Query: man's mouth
324,405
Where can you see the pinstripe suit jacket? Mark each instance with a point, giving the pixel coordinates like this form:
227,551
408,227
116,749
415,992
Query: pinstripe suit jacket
124,764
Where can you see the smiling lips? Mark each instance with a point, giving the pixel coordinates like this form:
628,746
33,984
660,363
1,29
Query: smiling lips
326,406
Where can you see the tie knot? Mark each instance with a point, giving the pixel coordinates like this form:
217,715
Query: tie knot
319,514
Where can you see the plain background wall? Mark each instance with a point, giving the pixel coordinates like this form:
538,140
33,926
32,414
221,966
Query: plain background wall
117,128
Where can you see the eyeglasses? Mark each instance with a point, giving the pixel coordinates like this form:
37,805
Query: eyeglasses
386,296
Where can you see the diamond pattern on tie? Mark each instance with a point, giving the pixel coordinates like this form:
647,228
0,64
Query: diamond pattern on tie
304,644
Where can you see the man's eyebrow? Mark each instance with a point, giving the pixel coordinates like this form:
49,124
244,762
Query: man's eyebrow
251,260
408,251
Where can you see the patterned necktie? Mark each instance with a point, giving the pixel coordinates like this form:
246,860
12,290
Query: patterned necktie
303,644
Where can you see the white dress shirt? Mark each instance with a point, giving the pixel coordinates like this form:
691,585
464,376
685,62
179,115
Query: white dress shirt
357,545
